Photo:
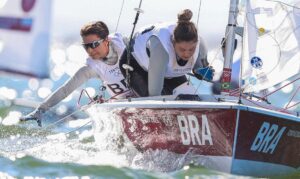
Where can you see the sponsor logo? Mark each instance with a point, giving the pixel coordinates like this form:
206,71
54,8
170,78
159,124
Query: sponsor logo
252,81
192,133
293,133
267,138
180,70
116,71
256,62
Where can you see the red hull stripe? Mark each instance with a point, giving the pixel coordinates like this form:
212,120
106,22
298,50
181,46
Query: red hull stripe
201,131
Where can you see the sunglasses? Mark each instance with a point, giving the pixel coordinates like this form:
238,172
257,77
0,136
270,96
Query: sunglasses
93,44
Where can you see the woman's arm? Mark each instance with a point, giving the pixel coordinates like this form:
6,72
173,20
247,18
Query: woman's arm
82,75
158,62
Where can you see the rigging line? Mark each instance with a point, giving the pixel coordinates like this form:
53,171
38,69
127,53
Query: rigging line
280,88
298,103
64,118
82,108
214,58
189,77
200,2
218,51
287,106
284,3
119,16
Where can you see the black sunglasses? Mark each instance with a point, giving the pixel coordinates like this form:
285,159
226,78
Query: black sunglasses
92,45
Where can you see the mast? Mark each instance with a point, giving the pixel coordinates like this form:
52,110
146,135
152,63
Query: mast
229,47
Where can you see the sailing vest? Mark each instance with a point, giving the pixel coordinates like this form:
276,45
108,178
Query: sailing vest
111,75
163,31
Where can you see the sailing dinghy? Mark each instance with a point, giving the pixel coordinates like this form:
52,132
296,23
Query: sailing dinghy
231,132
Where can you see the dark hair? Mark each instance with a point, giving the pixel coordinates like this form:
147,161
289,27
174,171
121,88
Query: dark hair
98,28
185,29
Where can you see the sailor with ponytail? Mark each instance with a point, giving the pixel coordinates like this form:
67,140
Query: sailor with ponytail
163,54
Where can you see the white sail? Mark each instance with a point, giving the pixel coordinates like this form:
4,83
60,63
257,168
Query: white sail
271,51
24,36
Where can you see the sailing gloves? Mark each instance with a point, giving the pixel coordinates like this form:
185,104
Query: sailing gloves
206,73
34,115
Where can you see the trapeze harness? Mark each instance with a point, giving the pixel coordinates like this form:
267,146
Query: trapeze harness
163,31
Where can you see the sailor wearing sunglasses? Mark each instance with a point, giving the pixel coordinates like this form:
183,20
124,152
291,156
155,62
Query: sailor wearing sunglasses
104,51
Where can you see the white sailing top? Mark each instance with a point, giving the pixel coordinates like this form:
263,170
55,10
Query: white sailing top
163,31
110,75
162,63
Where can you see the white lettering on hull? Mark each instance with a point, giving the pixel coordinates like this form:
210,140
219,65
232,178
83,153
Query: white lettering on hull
190,131
267,138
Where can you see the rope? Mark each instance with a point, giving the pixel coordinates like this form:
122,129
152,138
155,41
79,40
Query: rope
287,106
280,88
119,16
189,76
200,2
284,4
64,118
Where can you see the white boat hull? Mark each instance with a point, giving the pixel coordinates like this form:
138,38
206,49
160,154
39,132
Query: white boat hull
226,136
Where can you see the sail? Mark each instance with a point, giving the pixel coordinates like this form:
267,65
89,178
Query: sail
271,50
24,36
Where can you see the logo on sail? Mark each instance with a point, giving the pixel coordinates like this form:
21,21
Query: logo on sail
256,62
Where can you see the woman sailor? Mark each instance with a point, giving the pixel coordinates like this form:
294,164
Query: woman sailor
104,51
162,55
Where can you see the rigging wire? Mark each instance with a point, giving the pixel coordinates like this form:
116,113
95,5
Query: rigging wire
119,16
214,58
281,2
287,106
198,17
199,8
66,117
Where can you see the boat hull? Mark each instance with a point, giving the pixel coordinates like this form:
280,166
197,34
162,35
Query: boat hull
233,138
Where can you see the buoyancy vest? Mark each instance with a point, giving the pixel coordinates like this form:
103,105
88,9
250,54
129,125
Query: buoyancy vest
111,75
163,31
